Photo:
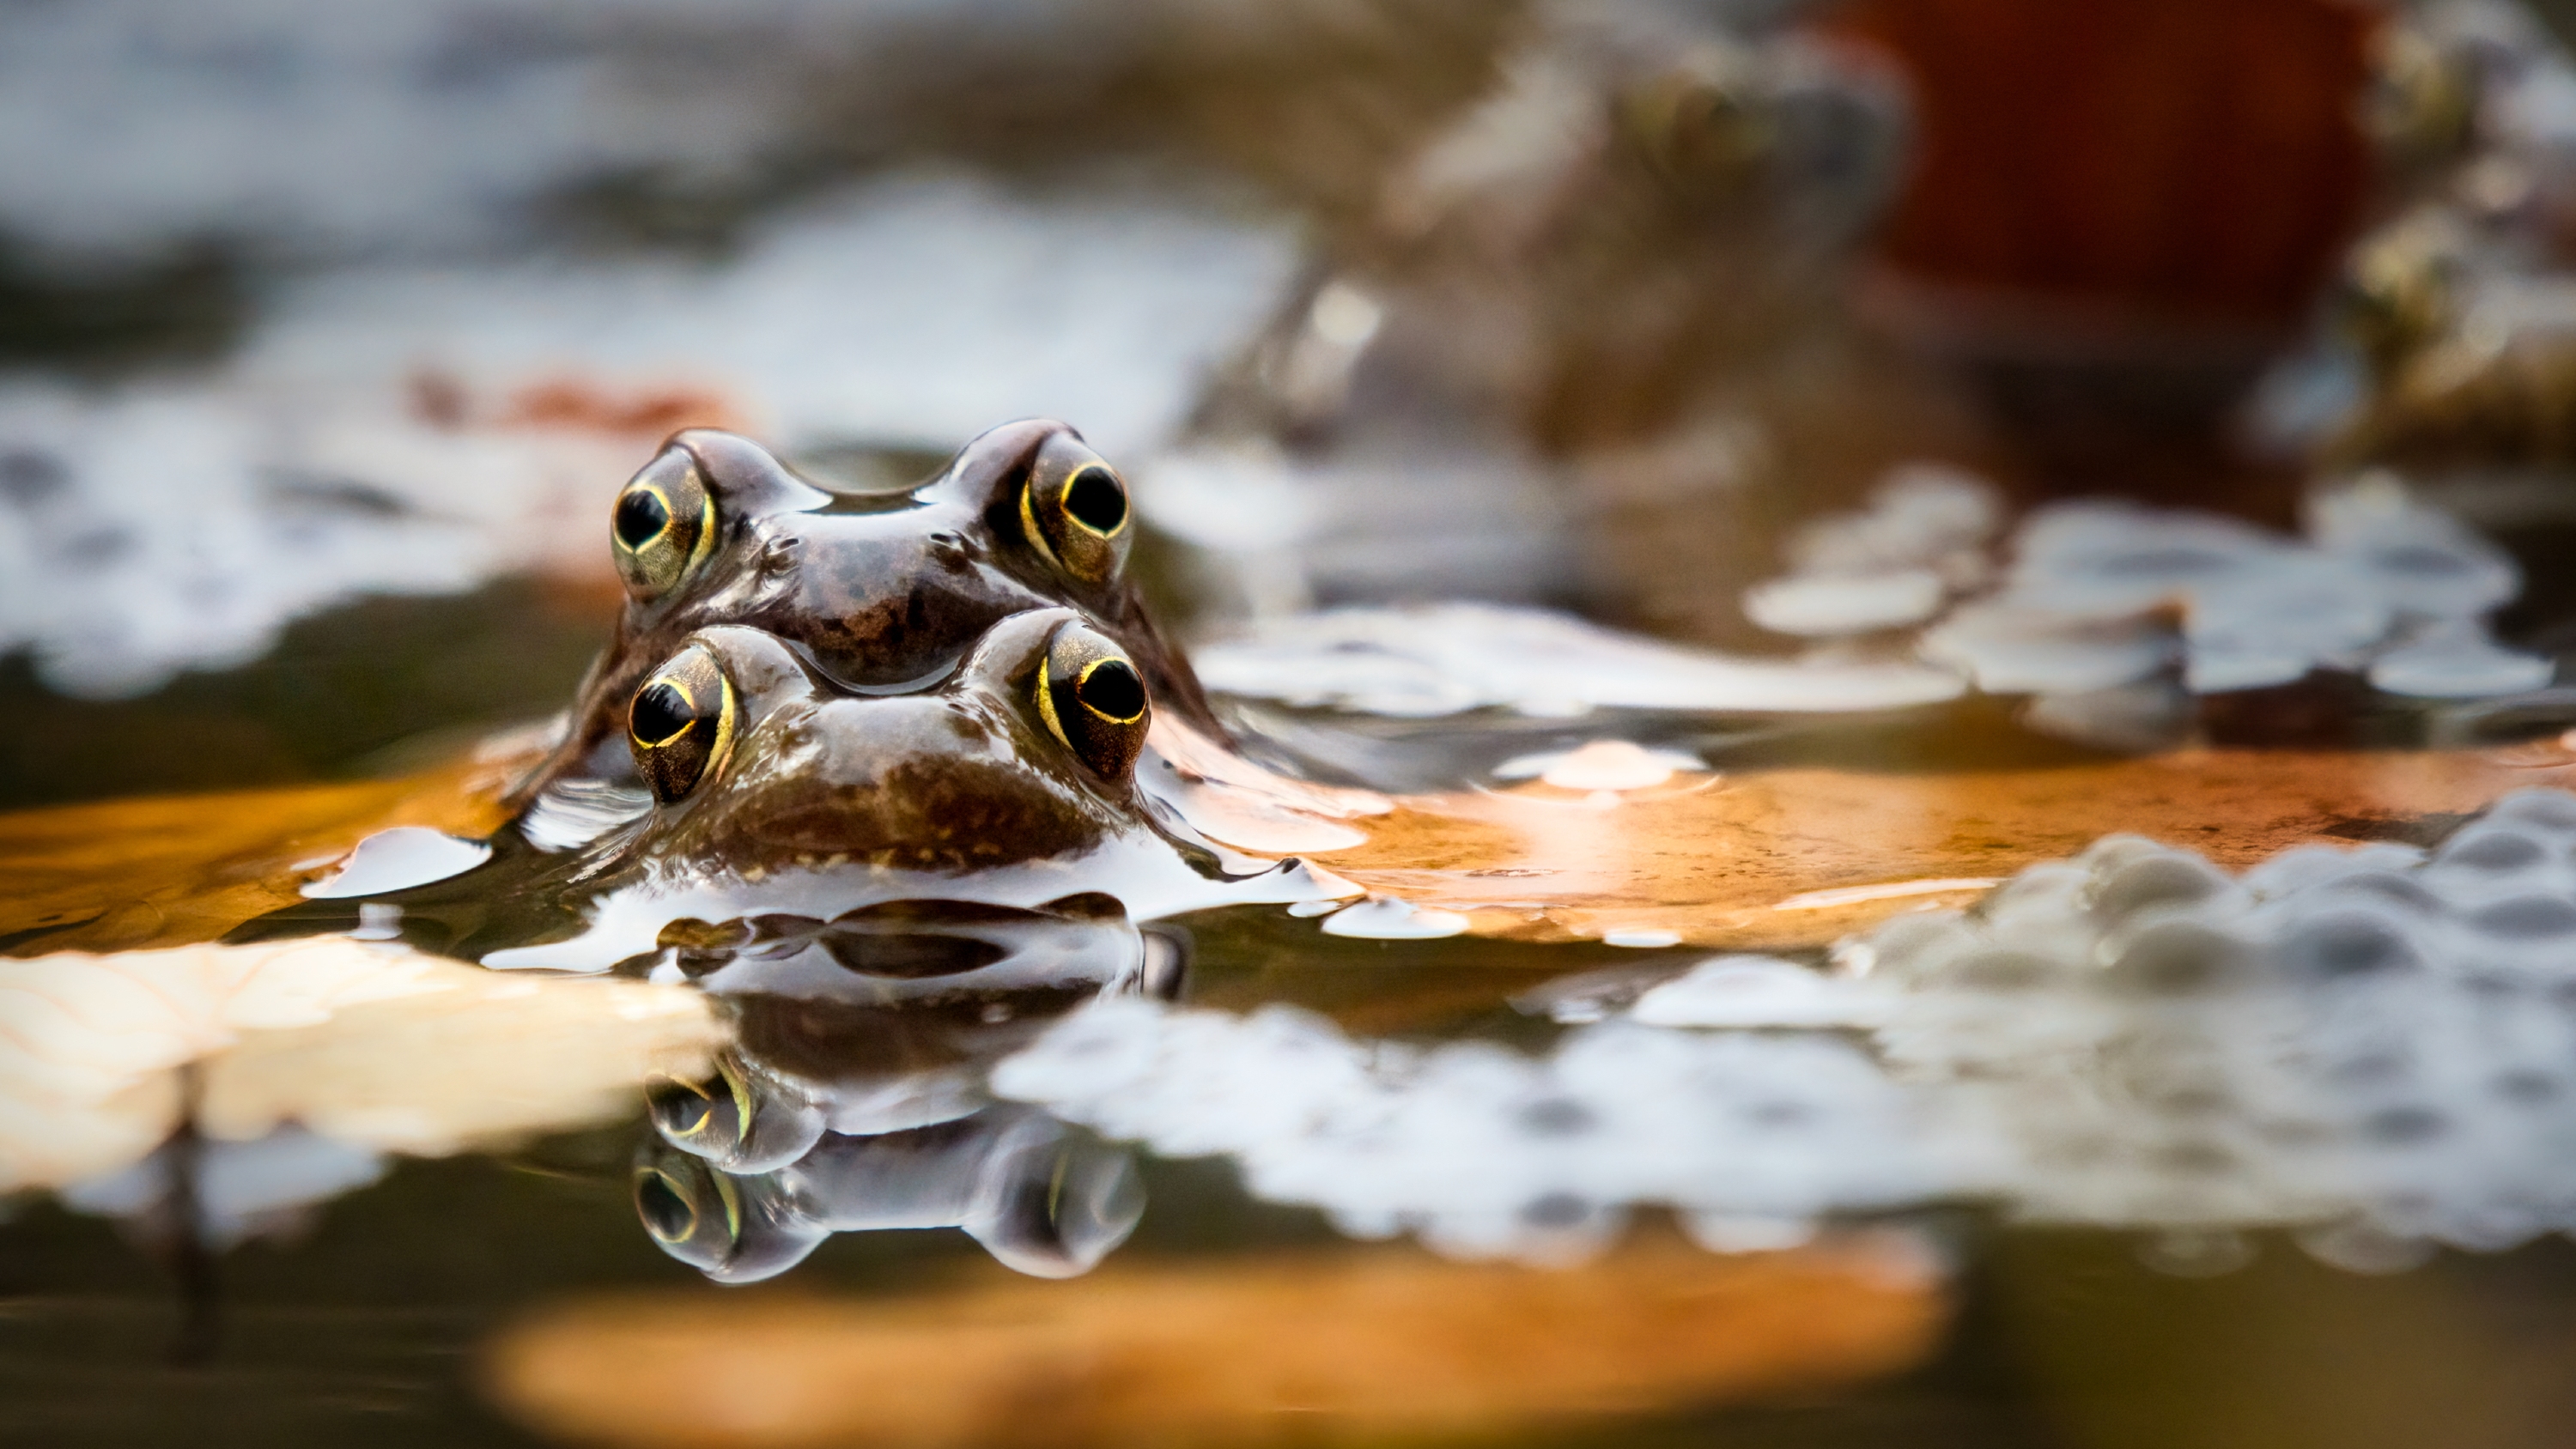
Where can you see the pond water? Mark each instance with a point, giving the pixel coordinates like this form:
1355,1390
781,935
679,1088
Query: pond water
1630,788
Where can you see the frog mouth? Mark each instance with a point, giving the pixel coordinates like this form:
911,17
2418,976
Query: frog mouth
919,812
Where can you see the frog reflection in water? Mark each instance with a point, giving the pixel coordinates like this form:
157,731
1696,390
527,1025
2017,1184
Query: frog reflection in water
853,1100
866,768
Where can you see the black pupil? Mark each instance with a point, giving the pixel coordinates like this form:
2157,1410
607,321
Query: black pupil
1113,689
1095,498
682,1111
640,516
665,1212
661,713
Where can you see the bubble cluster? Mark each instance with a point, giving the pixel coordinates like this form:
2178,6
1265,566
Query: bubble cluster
1482,1150
1435,660
2375,1045
2110,615
1923,537
2103,600
2378,584
2375,1034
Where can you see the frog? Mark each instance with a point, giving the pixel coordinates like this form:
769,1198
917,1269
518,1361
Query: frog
817,702
1620,283
880,593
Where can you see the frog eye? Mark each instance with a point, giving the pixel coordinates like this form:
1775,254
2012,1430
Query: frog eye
671,1205
1074,509
732,1120
1697,128
694,1213
1093,700
664,524
681,722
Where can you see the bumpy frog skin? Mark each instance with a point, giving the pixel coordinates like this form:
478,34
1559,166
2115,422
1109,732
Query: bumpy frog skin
817,702
882,593
963,775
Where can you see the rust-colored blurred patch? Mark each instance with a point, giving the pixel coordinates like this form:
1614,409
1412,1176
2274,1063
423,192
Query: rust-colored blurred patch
645,412
444,400
1789,858
2118,211
1312,1348
2162,160
168,870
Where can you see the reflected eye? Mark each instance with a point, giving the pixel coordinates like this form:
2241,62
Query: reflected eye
731,1120
1074,509
665,1207
1093,700
663,526
694,1213
681,722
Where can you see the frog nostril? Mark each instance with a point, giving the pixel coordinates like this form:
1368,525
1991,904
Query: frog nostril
641,517
1094,498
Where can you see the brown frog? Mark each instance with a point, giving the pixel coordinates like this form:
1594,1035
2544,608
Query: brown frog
877,593
818,702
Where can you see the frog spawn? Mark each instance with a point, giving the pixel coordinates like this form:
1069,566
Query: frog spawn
2111,617
1484,1151
2369,1045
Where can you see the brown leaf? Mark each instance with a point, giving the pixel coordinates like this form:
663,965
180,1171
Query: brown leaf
1789,858
1303,1348
121,875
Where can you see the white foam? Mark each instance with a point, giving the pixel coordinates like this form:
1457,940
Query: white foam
311,127
1927,516
397,859
1825,606
1445,659
2013,650
2458,663
1600,765
1382,918
1757,991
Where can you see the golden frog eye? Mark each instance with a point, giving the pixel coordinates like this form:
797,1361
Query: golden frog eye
708,1118
1093,700
681,722
664,525
1074,509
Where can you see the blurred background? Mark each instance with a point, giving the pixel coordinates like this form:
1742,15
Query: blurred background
329,328
1792,328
